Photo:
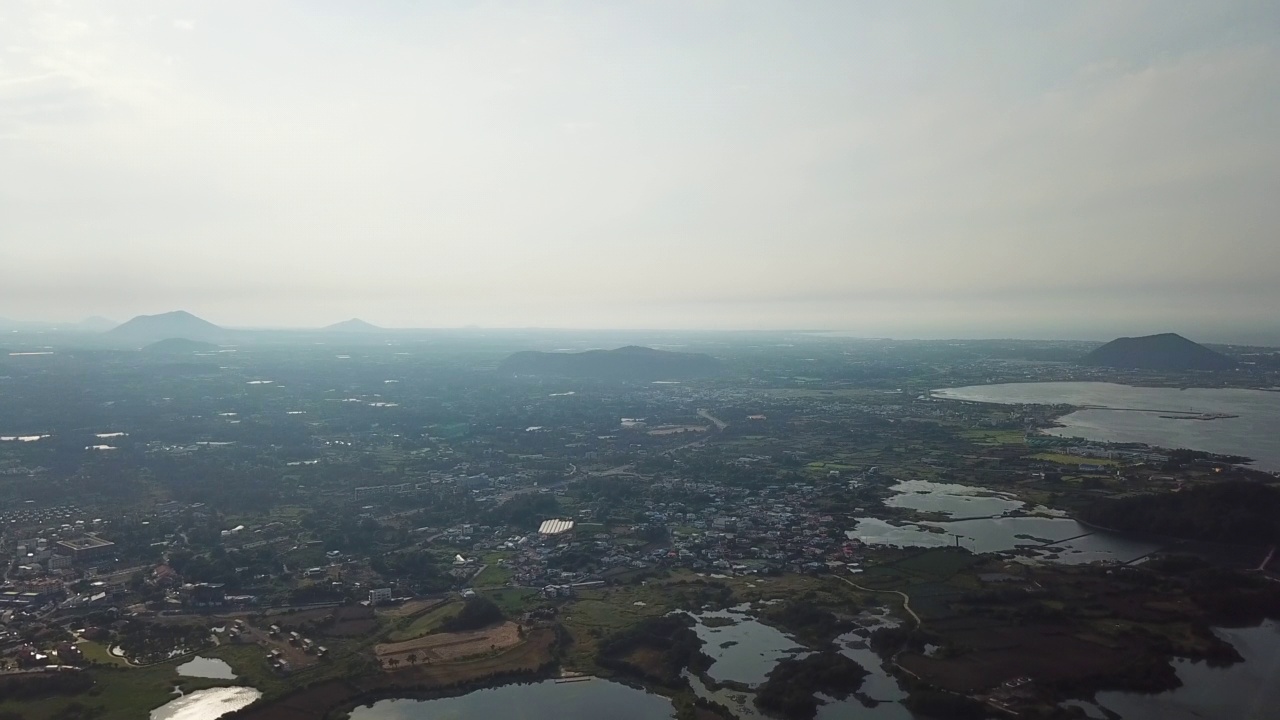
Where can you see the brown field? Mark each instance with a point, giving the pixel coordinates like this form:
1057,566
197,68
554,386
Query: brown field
450,647
676,429
532,655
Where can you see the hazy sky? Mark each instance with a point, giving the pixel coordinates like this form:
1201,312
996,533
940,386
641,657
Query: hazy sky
894,168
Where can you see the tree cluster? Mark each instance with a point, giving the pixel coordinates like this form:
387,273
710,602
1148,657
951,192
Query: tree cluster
1242,513
476,612
790,688
672,641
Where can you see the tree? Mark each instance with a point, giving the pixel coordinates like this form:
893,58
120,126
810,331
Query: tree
413,658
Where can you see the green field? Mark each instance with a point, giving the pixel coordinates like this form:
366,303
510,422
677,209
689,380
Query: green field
425,623
121,693
97,653
495,573
995,437
513,601
1072,459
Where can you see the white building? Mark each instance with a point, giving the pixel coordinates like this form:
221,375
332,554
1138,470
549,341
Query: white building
378,596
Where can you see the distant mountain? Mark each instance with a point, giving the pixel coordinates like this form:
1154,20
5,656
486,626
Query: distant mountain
92,324
1167,351
353,325
96,323
625,363
178,346
177,324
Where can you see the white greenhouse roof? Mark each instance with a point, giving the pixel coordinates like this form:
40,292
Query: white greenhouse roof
555,527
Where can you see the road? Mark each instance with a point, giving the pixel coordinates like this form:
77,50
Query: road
706,415
906,599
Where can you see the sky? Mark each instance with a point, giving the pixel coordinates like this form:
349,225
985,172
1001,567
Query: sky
906,169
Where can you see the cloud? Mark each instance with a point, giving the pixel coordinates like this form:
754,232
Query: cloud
648,164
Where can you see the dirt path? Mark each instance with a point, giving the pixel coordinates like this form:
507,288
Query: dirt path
906,599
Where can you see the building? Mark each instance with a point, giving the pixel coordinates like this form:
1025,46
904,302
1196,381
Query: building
86,547
555,527
203,594
377,596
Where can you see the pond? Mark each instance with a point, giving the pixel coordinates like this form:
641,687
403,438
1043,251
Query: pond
204,667
206,704
746,650
546,700
1162,417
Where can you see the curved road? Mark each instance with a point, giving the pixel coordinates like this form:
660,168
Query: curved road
906,599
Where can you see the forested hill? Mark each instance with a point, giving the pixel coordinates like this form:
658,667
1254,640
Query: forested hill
1236,512
1167,351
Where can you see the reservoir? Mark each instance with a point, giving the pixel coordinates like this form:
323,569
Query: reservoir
1161,417
546,700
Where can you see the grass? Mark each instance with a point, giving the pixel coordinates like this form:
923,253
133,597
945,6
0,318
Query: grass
513,601
494,574
828,466
939,565
425,623
97,652
1072,459
995,437
122,693
249,662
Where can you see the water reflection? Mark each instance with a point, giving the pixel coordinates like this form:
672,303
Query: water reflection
1056,539
547,700
957,501
757,648
206,704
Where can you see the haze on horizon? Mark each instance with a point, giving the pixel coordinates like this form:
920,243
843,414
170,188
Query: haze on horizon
1083,169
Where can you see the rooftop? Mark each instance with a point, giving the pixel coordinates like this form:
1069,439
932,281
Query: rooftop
555,527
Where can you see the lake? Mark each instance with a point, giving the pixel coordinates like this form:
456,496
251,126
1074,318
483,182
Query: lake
546,700
1244,691
206,704
1126,414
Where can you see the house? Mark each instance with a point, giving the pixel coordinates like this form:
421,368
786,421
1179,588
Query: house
377,596
201,595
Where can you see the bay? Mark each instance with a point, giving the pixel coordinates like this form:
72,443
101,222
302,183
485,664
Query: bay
1153,416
